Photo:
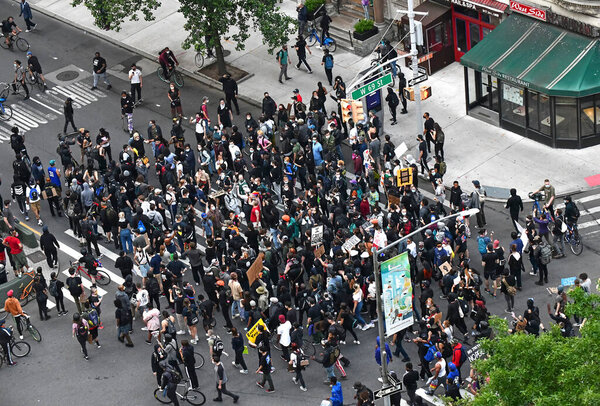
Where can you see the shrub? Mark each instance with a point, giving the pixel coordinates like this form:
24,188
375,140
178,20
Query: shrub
313,5
363,26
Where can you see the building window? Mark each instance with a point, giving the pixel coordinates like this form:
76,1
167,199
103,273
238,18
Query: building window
513,107
469,12
437,37
538,112
590,116
566,118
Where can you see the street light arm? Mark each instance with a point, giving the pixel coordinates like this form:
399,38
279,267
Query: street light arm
375,68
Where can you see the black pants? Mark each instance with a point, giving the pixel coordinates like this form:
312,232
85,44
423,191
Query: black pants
266,377
42,307
19,324
225,391
136,87
239,359
425,167
60,303
393,111
69,119
30,24
54,204
481,216
429,140
302,60
51,256
197,273
403,100
299,377
92,241
543,271
191,373
285,352
229,98
439,150
172,395
225,309
154,298
329,74
14,86
82,341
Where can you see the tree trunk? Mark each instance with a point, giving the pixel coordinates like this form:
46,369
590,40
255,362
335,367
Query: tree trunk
219,54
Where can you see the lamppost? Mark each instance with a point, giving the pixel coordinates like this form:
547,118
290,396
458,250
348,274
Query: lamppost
378,299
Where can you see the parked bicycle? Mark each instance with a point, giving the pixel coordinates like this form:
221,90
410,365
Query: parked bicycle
313,37
26,325
24,291
6,111
101,277
22,44
192,396
573,238
175,76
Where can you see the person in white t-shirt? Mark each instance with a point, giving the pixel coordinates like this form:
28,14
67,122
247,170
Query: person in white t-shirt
283,334
135,78
142,298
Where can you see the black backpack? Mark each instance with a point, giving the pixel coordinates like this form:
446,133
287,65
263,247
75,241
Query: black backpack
218,346
171,327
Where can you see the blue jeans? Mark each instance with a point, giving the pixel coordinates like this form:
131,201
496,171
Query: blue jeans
274,234
330,371
235,308
126,241
394,68
357,315
366,9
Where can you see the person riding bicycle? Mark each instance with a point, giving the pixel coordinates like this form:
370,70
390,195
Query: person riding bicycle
6,335
34,66
168,61
571,212
9,27
13,306
90,263
20,73
169,380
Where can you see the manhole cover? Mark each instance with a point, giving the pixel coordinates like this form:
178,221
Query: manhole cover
67,75
37,256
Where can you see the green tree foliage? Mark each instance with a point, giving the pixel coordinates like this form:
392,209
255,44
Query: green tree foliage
208,22
547,370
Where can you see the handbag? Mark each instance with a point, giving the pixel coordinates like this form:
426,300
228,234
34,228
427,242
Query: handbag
511,290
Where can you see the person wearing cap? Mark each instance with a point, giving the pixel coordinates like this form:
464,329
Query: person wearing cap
439,374
478,197
33,65
16,252
283,336
13,306
5,338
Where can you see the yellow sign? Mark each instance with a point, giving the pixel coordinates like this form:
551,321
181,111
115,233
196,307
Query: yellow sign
405,177
253,332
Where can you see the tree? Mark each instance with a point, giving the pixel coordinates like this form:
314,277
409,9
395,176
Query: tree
208,21
547,370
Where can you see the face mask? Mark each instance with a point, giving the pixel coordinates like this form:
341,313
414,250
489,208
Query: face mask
248,117
15,65
172,88
251,151
403,212
413,190
222,105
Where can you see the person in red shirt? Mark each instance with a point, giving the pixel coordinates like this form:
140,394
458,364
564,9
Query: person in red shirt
255,214
16,251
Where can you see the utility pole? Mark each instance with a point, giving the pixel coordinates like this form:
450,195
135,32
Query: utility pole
415,65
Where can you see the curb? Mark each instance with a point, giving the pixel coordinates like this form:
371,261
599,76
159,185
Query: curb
195,75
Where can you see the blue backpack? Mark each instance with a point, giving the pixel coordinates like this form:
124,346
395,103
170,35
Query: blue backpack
481,245
328,62
141,227
431,350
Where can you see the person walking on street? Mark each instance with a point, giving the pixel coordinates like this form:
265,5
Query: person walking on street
296,358
283,60
174,95
55,288
99,71
135,79
221,378
49,245
189,362
237,343
264,366
68,112
410,379
123,318
428,128
41,297
438,140
477,202
80,331
16,252
75,286
127,110
393,103
423,154
27,16
401,86
514,204
230,88
20,78
301,48
327,63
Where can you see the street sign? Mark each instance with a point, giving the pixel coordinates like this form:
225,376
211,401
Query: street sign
390,390
372,87
417,80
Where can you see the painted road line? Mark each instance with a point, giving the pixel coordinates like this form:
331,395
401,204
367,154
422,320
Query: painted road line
76,255
87,283
588,224
34,99
103,250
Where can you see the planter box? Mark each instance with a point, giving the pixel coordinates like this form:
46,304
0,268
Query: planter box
365,35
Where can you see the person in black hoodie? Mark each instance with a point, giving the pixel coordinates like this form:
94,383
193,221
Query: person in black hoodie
514,204
48,244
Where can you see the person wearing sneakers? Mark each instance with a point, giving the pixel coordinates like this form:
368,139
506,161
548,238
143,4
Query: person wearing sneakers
55,288
237,343
13,306
80,331
34,199
5,337
264,368
221,378
16,252
152,319
296,358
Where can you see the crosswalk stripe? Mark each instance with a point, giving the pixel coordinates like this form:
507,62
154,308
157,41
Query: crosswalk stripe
584,199
34,114
588,224
76,93
77,101
35,99
83,87
67,295
104,251
76,255
87,283
23,117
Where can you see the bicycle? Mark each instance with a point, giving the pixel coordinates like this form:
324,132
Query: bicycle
26,325
19,89
573,238
174,77
14,38
313,37
26,287
19,349
540,209
192,396
34,79
101,277
4,90
6,111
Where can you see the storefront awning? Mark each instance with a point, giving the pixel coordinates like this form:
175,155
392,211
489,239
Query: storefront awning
491,7
539,56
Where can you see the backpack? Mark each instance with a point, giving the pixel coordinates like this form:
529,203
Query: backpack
82,330
545,254
334,355
53,288
328,62
218,346
279,55
92,318
463,356
443,168
481,245
141,228
33,194
440,137
431,350
171,327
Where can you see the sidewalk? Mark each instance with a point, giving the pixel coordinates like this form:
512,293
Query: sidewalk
496,157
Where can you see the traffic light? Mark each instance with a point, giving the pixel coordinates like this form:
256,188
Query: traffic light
409,93
425,92
358,112
346,106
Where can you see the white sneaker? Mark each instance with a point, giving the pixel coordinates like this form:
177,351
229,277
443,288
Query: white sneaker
234,364
180,332
294,380
356,342
144,329
244,371
194,342
40,222
20,337
532,273
370,325
342,342
303,389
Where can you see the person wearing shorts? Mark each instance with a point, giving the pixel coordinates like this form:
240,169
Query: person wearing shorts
489,261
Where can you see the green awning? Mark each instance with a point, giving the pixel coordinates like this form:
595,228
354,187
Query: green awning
539,56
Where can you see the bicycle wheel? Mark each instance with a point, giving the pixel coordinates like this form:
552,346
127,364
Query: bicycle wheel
178,79
5,91
3,44
199,360
102,278
1,359
30,79
161,74
275,343
6,113
194,397
199,59
159,395
22,44
35,333
330,44
311,40
576,245
20,349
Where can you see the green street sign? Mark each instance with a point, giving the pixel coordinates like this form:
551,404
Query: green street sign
372,87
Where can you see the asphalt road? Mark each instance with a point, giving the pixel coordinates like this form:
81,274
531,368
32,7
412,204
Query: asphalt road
55,373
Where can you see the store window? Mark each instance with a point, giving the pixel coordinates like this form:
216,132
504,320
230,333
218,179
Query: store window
438,37
513,106
566,118
473,83
590,117
538,112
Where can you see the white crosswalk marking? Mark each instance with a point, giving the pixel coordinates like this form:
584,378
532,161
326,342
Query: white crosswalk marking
588,207
104,251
